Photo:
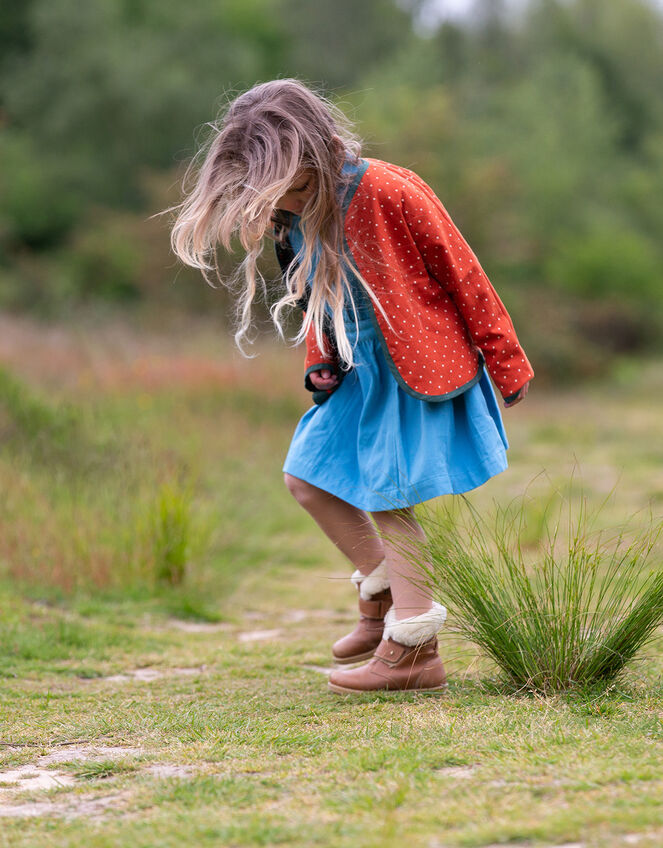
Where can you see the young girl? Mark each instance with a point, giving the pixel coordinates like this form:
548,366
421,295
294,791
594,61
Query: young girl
399,321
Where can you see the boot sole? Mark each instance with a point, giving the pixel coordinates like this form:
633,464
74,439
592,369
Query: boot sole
344,690
357,658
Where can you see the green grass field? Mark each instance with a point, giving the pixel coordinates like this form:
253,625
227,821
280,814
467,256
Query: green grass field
167,612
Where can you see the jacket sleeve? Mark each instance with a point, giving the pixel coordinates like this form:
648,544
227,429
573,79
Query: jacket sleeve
450,260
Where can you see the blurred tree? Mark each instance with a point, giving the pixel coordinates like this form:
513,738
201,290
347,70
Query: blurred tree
337,41
621,41
14,30
552,128
114,87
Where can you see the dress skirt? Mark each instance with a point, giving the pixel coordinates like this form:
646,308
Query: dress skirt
378,447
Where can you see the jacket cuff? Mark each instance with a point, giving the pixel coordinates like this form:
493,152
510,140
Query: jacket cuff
319,366
513,388
321,395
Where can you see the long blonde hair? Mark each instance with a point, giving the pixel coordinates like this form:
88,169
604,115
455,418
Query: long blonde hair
266,137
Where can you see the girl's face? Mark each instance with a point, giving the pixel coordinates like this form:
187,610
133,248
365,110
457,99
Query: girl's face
302,190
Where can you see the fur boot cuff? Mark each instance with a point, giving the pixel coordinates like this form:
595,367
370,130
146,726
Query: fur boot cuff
417,629
373,583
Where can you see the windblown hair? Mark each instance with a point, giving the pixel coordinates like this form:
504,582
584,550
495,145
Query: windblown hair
258,148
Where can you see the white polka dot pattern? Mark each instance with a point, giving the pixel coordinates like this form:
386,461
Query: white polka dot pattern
440,304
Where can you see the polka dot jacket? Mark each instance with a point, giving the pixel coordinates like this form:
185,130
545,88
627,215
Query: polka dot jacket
446,318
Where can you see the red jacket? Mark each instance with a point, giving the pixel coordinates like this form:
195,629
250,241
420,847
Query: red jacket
446,316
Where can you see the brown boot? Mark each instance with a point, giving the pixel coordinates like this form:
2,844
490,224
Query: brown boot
397,665
374,601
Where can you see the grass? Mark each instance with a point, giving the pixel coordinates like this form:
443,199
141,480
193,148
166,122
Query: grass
573,611
101,769
271,757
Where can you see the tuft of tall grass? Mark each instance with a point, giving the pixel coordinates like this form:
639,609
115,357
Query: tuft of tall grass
573,611
171,533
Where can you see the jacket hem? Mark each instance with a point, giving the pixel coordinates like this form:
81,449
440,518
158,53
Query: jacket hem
420,395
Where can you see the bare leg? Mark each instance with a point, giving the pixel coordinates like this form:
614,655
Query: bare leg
410,598
348,527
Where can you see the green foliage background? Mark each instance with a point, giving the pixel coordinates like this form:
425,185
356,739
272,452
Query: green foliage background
541,131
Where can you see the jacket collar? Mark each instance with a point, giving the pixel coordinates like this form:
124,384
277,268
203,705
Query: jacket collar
356,169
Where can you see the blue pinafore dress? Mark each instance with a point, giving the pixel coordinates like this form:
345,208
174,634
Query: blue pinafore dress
378,447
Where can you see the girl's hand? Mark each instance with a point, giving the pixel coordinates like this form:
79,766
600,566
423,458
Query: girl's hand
323,379
520,395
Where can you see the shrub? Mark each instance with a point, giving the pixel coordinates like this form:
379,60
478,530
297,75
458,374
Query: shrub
103,261
608,261
614,275
37,208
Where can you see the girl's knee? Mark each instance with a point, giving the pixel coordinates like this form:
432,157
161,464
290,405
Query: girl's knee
303,492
